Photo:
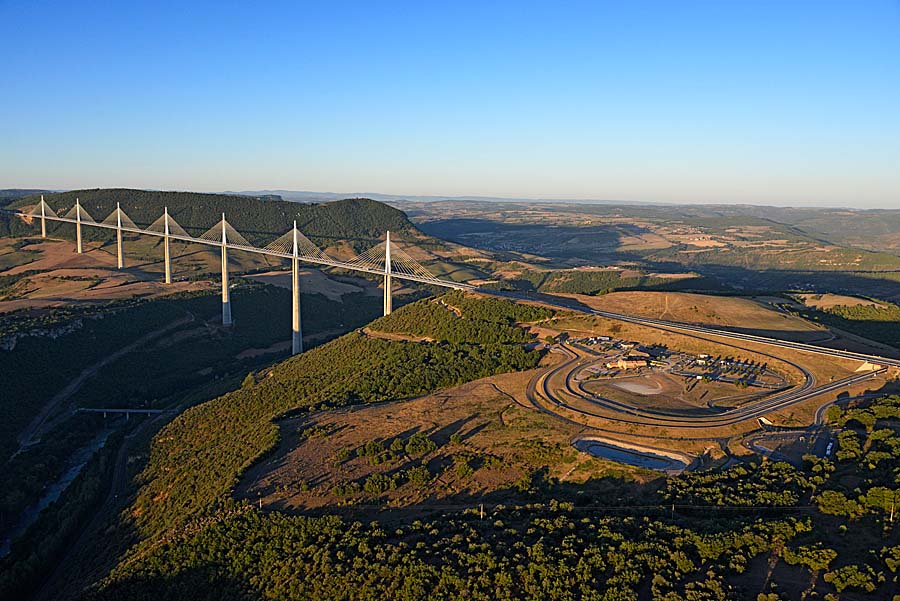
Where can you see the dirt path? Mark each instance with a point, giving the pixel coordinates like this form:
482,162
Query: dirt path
31,434
455,310
666,310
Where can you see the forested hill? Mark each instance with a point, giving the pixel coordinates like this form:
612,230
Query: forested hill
357,220
11,195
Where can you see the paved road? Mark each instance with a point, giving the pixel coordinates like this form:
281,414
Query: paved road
629,413
697,329
558,383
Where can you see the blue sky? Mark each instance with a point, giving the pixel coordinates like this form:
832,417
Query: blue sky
792,103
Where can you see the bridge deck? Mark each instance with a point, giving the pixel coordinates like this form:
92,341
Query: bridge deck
316,260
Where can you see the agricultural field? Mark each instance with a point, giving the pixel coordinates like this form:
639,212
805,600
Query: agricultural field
717,311
758,250
830,301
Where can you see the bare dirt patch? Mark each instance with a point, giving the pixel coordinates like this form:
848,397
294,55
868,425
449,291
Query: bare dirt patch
642,388
60,254
661,391
481,425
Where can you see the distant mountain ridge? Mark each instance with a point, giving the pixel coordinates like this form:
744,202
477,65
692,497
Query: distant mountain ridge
784,212
9,195
310,196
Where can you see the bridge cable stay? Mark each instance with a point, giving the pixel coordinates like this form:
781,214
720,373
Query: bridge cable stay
118,219
48,212
43,211
159,226
371,259
79,212
402,263
113,220
231,235
305,246
80,216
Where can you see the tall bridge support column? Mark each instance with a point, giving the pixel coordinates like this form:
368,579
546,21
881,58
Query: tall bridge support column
226,299
120,257
78,245
167,257
387,276
296,328
43,218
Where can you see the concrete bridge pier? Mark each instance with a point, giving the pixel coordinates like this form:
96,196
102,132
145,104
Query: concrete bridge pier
79,247
226,299
167,257
387,276
296,328
120,257
43,218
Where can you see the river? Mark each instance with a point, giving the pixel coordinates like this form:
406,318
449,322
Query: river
30,515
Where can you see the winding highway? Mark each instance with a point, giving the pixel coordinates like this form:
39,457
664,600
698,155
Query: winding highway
557,390
558,387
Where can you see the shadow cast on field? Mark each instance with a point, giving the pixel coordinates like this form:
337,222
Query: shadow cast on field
745,281
551,241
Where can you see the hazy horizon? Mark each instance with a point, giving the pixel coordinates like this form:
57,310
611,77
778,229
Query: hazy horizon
329,195
704,103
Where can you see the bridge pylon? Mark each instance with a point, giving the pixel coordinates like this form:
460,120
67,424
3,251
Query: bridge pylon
296,327
120,256
167,254
79,246
387,276
226,299
43,218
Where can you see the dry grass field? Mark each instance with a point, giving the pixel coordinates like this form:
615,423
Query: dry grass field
484,425
720,311
56,275
827,301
